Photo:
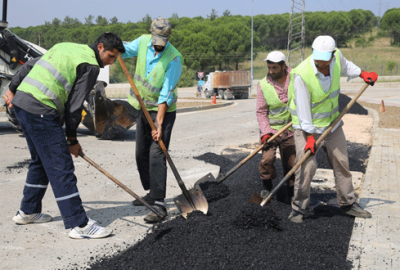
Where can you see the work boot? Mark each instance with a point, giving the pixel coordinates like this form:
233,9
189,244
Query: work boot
147,198
22,218
296,217
355,210
151,217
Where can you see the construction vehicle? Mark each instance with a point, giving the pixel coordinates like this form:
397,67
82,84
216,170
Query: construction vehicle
103,117
228,84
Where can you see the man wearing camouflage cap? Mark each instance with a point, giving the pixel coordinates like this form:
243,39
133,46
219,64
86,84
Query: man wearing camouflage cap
158,69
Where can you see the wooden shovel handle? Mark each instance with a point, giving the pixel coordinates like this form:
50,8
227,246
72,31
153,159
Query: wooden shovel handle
153,127
317,143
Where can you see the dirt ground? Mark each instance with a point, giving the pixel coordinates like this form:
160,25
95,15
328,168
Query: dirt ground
387,119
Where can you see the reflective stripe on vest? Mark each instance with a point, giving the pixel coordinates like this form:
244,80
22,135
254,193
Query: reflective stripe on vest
278,113
52,77
324,106
149,87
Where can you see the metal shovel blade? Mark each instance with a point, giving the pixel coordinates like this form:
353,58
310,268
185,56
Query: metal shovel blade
256,198
207,178
198,199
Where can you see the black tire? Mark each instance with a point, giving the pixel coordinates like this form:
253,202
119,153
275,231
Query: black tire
245,95
226,95
207,94
12,118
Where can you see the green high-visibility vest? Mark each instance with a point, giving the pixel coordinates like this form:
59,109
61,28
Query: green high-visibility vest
149,87
278,113
52,77
324,106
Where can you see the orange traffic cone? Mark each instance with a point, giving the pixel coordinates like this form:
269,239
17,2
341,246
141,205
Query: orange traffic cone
382,108
214,101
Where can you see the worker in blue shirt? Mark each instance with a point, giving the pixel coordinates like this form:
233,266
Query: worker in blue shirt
158,69
199,88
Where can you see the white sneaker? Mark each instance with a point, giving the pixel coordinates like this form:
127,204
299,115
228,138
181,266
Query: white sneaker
22,218
91,230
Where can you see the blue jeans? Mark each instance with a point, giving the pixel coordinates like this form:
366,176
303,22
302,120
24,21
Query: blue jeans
51,162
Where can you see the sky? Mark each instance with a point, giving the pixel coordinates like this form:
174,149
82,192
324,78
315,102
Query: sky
25,13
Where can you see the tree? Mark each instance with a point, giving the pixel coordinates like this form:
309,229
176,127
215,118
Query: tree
56,22
213,15
226,13
114,20
146,20
89,20
390,66
102,21
175,16
70,22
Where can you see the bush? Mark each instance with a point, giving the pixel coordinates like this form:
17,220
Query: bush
187,78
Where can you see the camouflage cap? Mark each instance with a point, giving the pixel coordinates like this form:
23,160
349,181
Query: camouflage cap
160,30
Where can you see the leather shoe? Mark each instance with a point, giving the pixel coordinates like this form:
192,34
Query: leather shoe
151,217
147,198
296,217
355,210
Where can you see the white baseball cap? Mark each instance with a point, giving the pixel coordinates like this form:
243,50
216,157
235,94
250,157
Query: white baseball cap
275,56
323,47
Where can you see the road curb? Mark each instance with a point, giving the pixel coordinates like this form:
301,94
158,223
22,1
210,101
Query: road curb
201,108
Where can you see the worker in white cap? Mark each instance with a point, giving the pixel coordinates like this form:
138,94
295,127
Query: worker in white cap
272,115
314,105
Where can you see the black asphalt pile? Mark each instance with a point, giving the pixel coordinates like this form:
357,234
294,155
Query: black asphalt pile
238,235
214,191
355,109
255,216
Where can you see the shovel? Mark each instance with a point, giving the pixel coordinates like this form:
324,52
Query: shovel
91,162
190,200
252,154
256,198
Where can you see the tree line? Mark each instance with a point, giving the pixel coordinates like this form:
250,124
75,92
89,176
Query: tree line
215,42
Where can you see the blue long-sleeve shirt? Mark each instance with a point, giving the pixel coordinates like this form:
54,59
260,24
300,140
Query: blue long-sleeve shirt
172,74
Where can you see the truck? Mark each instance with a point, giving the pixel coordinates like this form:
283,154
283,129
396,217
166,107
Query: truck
228,84
105,118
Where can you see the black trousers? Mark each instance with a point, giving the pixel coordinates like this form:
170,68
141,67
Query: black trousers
150,159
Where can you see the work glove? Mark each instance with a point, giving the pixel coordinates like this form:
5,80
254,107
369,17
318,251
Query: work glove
264,140
310,144
369,77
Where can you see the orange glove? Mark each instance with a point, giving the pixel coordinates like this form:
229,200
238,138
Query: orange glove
310,144
369,77
264,140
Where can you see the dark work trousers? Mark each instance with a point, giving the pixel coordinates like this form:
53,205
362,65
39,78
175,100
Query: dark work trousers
288,156
51,162
150,159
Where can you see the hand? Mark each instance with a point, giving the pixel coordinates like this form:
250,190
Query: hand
264,140
369,77
310,144
156,134
75,149
8,97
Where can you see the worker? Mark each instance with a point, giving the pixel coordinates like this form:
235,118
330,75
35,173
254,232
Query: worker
272,115
42,93
314,105
158,69
199,87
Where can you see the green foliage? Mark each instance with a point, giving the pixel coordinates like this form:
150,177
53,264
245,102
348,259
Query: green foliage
215,42
391,24
390,66
187,78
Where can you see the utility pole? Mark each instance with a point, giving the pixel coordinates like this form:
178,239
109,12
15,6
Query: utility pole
296,36
251,73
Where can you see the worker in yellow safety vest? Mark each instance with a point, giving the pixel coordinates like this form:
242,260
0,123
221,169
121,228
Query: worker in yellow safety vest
158,69
273,114
314,104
